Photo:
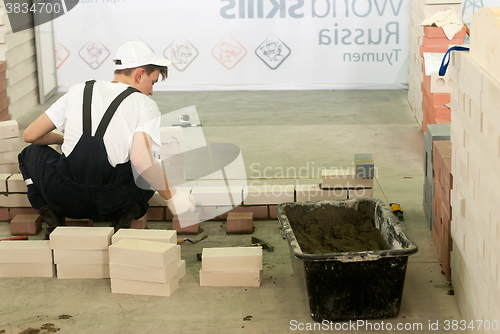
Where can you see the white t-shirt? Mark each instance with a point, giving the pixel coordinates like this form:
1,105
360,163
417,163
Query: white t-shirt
137,113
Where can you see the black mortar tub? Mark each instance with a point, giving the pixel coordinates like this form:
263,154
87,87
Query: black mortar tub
352,285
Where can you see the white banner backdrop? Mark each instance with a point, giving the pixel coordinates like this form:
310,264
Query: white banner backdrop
242,44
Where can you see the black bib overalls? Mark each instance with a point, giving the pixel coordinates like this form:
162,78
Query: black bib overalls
84,184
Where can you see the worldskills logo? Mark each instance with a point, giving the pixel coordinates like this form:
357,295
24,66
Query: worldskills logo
181,52
273,52
94,53
26,14
61,53
229,52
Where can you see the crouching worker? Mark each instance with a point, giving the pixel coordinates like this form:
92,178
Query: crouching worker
110,129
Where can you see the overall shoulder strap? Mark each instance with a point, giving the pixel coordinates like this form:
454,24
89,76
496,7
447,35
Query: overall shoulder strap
108,115
87,105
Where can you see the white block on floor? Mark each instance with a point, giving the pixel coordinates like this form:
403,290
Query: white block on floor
181,269
10,144
73,271
16,184
218,196
268,194
232,258
144,288
9,129
343,178
71,256
168,236
178,253
91,238
27,269
143,273
31,251
230,278
3,183
9,168
312,192
143,253
15,201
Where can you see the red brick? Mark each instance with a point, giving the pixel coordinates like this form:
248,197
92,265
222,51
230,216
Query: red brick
22,211
140,224
3,85
79,222
441,42
156,213
259,212
4,115
272,212
4,103
442,112
3,66
438,32
192,229
26,225
239,222
168,215
4,214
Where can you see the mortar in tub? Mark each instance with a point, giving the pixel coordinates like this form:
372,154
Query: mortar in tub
350,256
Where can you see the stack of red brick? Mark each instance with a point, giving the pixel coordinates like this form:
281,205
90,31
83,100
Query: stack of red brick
443,183
4,100
434,109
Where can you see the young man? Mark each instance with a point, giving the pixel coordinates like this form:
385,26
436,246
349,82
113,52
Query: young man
109,129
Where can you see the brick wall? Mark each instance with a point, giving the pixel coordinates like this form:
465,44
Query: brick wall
18,50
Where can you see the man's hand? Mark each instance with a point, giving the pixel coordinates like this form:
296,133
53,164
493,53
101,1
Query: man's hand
181,202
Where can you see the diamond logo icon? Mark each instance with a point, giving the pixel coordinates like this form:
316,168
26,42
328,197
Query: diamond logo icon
94,53
181,52
61,53
229,52
273,52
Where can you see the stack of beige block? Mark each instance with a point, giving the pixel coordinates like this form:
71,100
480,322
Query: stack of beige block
345,184
172,159
4,99
475,137
26,259
81,252
145,262
9,147
231,266
418,12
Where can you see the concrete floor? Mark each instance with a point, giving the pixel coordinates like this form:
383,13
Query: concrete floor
276,129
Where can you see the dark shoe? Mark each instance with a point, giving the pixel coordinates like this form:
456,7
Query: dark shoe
52,219
126,221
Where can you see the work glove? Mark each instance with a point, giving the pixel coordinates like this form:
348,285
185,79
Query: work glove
181,202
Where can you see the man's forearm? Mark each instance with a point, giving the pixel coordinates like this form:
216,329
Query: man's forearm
155,177
50,138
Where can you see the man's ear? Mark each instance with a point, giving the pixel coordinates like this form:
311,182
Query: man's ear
138,73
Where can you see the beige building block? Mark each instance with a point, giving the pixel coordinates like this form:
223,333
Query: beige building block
31,251
143,273
89,238
72,271
9,129
312,192
170,148
10,144
343,178
361,193
268,194
9,168
441,84
15,184
72,256
231,258
179,253
168,236
181,269
230,278
218,196
3,183
14,201
171,134
169,160
143,253
485,40
144,288
27,269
